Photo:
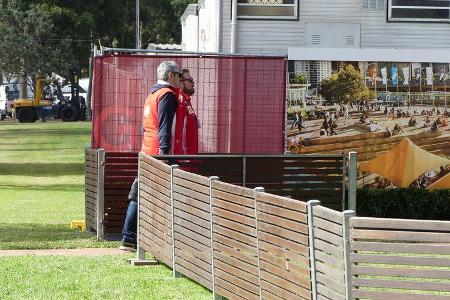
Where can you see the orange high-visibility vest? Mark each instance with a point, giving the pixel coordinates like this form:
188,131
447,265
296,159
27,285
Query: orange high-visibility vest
150,142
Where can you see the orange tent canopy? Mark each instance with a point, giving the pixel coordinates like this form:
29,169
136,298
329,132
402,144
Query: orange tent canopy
404,163
442,183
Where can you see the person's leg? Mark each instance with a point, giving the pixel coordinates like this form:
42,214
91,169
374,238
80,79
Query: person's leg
130,226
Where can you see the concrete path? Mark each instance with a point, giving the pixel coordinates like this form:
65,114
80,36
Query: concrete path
65,252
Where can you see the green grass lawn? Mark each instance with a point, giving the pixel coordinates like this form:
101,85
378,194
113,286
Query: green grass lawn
42,185
108,277
41,191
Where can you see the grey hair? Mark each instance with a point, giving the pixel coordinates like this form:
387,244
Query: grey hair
165,68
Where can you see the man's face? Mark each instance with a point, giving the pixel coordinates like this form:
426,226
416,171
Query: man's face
188,84
174,79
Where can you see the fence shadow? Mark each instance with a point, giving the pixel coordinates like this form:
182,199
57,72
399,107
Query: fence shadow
41,169
34,236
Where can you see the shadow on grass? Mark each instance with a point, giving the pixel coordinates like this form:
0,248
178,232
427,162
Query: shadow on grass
41,169
39,232
54,187
46,236
38,132
49,150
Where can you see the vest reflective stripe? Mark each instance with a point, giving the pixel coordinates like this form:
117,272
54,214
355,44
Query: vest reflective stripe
150,142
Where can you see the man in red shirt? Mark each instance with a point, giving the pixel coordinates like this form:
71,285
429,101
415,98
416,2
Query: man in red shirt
186,122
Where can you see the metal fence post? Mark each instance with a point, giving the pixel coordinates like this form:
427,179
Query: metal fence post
244,171
347,261
172,204
211,214
352,170
258,190
100,193
312,255
344,174
140,253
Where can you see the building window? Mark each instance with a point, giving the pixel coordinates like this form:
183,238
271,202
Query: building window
372,4
267,9
419,10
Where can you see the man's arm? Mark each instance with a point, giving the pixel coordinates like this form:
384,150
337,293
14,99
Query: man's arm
167,107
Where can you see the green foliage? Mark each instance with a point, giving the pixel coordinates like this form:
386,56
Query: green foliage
405,203
297,78
29,42
80,23
345,86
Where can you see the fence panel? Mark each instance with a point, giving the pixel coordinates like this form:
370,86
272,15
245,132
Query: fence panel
235,242
300,177
120,172
228,168
192,227
401,259
283,247
90,188
155,213
329,253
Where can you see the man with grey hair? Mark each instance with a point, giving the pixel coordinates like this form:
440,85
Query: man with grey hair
159,111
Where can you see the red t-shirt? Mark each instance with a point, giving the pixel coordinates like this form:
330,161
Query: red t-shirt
186,127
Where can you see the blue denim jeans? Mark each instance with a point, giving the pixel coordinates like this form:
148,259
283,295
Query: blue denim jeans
130,225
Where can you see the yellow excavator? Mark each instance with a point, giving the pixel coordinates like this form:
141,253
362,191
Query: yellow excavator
52,103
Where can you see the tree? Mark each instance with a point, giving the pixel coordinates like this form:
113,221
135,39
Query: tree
82,23
29,46
298,78
345,86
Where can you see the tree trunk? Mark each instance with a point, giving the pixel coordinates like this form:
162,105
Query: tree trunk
23,86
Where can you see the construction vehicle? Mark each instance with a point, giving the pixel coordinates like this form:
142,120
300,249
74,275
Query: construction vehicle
49,102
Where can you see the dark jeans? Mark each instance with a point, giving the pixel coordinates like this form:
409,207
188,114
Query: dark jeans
130,226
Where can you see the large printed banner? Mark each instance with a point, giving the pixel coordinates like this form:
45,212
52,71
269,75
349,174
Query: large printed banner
441,75
373,74
394,75
417,68
429,71
406,76
239,101
384,75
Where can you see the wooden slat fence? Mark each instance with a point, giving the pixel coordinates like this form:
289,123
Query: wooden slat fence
301,177
155,213
400,259
245,243
90,188
235,241
329,253
108,179
120,170
259,241
192,226
283,247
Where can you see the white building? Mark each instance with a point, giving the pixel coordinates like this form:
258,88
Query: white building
323,30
